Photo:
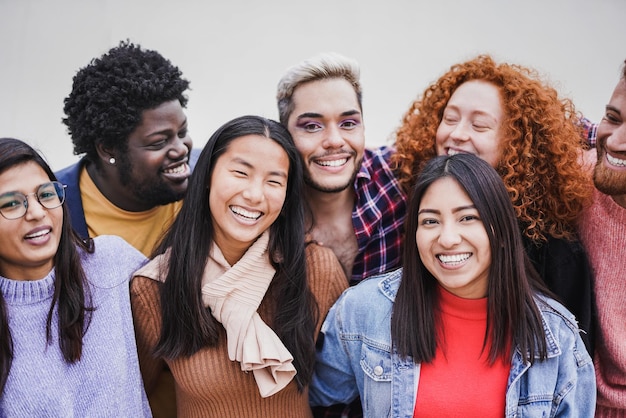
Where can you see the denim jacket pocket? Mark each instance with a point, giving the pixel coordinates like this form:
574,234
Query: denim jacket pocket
377,366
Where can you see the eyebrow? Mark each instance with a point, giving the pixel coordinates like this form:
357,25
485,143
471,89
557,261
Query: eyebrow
319,115
455,210
243,162
613,109
167,130
473,112
35,190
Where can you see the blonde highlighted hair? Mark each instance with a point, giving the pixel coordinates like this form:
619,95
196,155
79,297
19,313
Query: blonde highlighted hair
320,67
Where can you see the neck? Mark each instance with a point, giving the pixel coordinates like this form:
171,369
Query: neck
328,205
31,273
107,181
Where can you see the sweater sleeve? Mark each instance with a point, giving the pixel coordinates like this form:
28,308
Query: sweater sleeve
326,278
147,320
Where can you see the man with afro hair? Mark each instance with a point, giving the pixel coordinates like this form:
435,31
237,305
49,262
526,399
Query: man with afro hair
125,114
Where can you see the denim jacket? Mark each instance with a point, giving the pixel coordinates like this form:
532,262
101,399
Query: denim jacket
355,357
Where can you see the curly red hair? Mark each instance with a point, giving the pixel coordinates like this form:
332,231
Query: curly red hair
540,149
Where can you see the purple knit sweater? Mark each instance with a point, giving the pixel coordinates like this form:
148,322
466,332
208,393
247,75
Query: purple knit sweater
106,381
603,233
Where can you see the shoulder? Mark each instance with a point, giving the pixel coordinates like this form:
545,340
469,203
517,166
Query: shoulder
144,288
324,270
112,262
378,157
377,178
319,256
372,296
70,173
555,315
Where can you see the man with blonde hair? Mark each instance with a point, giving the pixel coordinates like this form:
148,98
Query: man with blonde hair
357,207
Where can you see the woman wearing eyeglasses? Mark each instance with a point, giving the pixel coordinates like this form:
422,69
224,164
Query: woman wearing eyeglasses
67,343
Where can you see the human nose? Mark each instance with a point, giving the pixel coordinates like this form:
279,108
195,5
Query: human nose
449,236
617,138
34,209
334,138
180,148
460,132
254,192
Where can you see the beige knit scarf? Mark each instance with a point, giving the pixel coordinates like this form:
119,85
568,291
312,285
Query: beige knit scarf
234,295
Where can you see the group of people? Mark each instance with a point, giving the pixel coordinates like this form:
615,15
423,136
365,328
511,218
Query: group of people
286,270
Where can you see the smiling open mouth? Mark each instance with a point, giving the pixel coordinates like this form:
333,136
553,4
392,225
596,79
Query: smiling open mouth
453,259
246,213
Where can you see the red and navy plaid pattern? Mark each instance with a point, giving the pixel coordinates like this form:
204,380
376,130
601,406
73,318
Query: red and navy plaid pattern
590,131
378,216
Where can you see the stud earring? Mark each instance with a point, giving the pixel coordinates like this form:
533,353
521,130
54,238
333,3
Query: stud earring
112,161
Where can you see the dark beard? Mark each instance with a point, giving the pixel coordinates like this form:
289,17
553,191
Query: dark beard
316,186
155,193
319,188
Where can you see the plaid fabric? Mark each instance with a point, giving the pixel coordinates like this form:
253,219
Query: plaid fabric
590,131
378,219
378,216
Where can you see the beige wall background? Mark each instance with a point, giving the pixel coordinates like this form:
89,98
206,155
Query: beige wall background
234,52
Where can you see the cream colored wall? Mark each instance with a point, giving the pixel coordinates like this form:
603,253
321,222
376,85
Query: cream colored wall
234,52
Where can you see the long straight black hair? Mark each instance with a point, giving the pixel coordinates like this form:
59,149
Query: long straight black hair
187,324
69,285
512,314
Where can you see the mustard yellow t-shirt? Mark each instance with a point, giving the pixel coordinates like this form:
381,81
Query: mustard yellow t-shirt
142,230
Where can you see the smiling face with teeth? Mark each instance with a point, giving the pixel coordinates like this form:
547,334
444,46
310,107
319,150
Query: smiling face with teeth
28,244
247,192
327,128
472,122
610,170
154,169
452,241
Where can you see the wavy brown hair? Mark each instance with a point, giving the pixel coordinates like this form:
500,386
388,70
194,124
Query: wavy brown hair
540,149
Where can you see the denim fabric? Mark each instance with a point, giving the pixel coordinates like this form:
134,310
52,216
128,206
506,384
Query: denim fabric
356,358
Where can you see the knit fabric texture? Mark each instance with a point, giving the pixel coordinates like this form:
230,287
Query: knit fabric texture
106,381
208,383
603,232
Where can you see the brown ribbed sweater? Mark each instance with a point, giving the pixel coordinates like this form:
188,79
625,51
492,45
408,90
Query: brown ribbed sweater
208,384
603,233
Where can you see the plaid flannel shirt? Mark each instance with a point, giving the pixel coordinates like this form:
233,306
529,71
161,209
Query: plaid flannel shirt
590,131
378,216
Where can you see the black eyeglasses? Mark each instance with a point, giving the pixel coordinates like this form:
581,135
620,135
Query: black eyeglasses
13,205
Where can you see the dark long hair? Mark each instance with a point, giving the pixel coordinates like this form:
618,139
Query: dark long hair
512,315
187,324
69,284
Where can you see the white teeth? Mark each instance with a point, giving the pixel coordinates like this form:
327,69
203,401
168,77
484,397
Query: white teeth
176,170
333,163
453,259
452,151
245,213
616,161
38,234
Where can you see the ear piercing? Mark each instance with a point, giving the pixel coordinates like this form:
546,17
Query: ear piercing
112,161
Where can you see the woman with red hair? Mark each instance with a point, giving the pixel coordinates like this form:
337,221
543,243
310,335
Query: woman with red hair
508,116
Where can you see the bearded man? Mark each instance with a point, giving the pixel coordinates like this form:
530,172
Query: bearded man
603,233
